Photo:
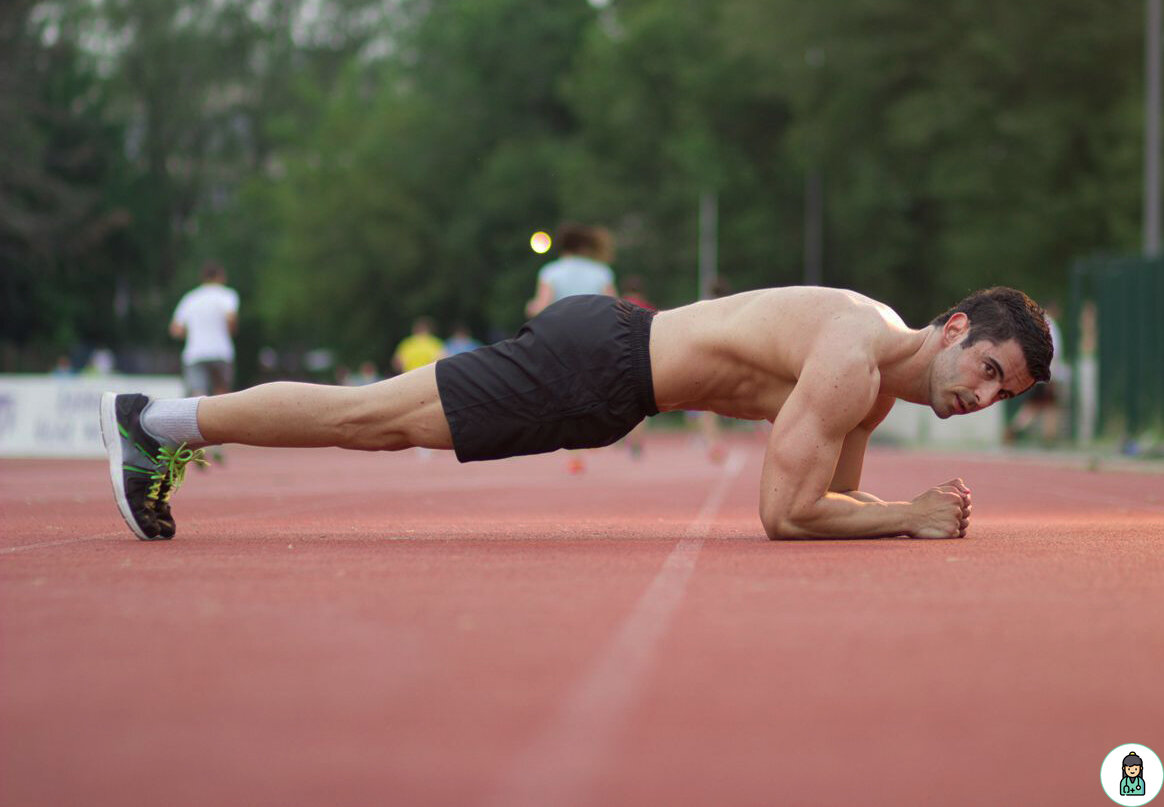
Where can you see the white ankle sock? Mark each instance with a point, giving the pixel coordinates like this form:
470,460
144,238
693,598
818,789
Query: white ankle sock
173,420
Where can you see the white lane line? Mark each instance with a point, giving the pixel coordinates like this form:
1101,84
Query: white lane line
702,523
561,766
9,550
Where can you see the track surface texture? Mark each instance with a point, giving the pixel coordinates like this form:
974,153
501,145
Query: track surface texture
339,628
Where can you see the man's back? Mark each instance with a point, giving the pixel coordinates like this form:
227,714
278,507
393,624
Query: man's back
742,355
206,314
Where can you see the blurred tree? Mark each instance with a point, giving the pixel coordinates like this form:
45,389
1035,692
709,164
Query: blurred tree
418,190
356,163
59,158
671,110
985,144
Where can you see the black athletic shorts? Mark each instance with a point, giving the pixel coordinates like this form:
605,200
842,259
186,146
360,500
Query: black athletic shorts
578,375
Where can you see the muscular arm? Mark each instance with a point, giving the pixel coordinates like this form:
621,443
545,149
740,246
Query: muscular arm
813,464
847,477
832,397
935,513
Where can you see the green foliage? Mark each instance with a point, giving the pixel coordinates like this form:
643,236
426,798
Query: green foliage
59,155
418,196
988,143
365,163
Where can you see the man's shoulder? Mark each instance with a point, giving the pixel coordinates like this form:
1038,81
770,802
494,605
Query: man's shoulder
821,303
848,345
853,328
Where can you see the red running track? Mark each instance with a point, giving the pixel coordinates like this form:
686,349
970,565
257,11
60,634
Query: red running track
336,628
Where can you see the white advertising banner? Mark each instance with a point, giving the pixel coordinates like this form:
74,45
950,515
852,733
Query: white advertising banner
918,425
56,416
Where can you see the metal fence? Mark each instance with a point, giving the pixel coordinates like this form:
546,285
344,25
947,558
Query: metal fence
1127,297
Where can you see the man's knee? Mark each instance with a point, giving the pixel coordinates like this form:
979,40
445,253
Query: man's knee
389,419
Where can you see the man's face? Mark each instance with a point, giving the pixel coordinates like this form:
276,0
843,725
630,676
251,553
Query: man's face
1131,770
966,380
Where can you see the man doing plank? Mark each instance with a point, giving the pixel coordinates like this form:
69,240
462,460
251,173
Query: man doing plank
823,365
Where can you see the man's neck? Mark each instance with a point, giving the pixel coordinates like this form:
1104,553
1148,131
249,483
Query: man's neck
907,374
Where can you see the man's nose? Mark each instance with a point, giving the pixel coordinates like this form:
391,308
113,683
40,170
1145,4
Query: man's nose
981,393
990,393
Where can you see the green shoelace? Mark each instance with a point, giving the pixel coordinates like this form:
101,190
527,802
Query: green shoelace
171,470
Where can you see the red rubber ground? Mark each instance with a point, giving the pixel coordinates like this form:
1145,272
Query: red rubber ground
338,628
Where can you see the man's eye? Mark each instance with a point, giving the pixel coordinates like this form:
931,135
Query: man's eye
989,369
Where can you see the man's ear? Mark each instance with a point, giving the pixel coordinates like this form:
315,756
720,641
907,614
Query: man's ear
955,329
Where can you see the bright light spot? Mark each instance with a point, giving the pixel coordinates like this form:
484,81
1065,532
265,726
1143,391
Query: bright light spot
540,242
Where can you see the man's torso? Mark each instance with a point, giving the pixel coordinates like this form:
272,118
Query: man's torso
741,355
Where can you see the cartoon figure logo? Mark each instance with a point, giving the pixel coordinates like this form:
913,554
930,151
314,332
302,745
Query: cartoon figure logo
1131,775
1133,783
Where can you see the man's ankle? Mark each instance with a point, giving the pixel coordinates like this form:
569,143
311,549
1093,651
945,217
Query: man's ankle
173,421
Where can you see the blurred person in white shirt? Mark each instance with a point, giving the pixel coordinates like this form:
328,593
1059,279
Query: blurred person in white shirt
207,318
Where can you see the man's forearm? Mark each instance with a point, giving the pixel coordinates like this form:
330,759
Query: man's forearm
860,496
852,514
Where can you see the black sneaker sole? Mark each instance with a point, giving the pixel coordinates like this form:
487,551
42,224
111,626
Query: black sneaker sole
111,436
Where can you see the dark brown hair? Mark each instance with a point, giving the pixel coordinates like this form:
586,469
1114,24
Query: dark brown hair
999,314
595,243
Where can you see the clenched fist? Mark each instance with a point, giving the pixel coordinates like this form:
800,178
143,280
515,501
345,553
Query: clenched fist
942,512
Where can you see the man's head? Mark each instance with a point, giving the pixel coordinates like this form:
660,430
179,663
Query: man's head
995,345
213,272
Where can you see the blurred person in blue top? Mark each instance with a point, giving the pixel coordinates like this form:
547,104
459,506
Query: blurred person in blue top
461,341
582,268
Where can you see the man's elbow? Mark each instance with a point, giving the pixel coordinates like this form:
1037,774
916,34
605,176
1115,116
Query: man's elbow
780,525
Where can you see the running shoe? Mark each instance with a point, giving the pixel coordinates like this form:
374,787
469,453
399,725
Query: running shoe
174,462
144,472
162,514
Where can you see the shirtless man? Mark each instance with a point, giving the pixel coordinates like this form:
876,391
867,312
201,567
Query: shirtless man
823,365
